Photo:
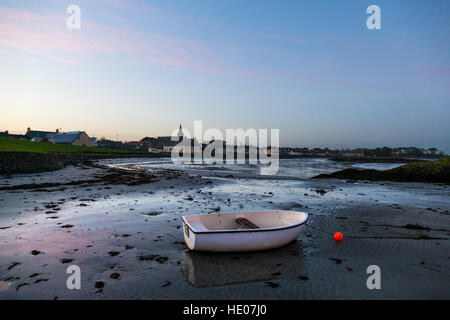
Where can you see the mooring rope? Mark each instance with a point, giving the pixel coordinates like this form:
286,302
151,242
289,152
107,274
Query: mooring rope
379,237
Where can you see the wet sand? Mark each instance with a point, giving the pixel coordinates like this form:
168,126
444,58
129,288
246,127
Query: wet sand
105,228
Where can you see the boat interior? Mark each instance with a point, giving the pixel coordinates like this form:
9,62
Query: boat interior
245,220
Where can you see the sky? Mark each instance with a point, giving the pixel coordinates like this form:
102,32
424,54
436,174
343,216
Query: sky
311,69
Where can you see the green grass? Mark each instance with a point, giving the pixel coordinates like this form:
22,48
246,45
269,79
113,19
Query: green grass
437,171
443,162
11,144
440,167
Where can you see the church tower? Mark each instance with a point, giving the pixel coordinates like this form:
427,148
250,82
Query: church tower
180,134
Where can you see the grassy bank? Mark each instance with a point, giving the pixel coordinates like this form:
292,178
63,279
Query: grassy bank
22,156
10,144
432,171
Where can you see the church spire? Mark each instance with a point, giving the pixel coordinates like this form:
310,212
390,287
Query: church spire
180,133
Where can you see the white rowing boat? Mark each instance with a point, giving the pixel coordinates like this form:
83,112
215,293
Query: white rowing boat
243,231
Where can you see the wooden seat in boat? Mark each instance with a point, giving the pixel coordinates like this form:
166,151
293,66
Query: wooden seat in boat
244,223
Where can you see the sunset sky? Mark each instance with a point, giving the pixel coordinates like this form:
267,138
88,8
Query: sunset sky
309,68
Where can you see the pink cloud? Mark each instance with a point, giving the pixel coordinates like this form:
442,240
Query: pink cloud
432,71
47,35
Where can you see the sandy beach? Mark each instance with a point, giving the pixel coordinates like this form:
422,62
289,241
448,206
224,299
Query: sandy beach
105,220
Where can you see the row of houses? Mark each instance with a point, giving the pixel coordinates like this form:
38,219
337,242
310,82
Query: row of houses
76,138
167,143
150,144
319,152
190,145
161,143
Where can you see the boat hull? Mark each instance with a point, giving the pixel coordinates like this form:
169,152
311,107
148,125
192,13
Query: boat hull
241,240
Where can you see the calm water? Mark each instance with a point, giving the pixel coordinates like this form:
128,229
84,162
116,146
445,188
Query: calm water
289,169
292,182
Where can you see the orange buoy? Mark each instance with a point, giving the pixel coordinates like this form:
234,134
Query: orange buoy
338,236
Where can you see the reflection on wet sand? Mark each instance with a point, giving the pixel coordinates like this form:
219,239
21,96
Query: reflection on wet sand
218,269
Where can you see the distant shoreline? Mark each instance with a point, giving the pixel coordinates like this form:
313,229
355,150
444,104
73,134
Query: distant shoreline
379,160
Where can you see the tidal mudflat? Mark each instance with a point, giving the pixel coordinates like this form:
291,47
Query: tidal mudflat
122,227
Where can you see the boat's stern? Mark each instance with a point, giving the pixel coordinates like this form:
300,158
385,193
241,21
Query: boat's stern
189,235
